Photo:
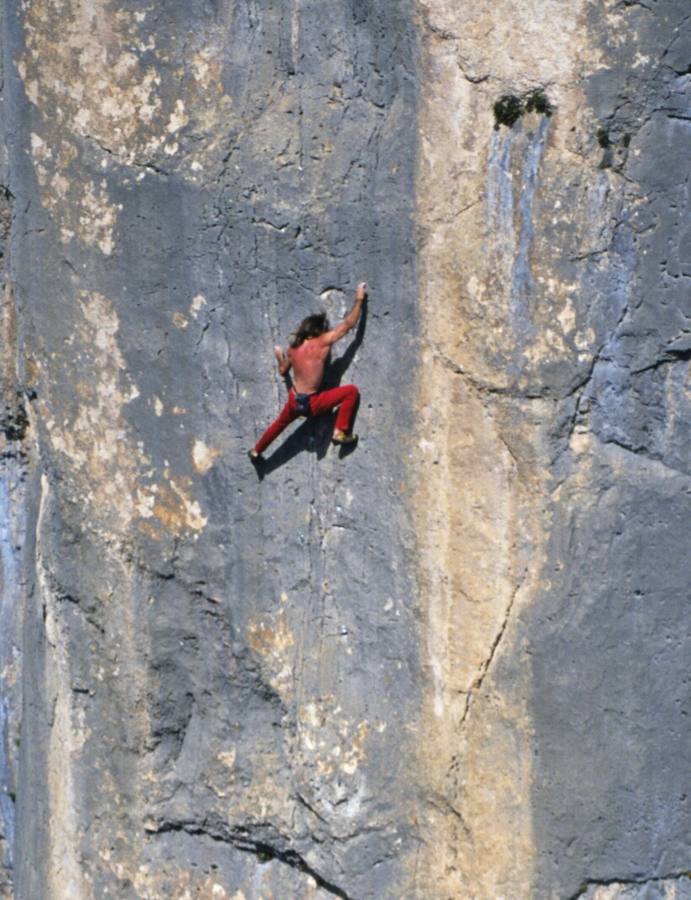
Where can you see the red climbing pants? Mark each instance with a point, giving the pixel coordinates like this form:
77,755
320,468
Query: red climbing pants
345,398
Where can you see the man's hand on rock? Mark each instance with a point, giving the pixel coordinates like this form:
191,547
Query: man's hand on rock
282,360
361,291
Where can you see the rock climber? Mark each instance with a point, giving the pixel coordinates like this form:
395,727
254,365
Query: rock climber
308,355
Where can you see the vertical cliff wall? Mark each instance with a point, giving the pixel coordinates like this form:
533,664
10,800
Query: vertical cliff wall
451,663
553,454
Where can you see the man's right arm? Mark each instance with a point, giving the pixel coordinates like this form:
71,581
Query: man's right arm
350,321
283,361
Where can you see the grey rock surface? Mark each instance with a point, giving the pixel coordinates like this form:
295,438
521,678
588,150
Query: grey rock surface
609,795
451,663
223,648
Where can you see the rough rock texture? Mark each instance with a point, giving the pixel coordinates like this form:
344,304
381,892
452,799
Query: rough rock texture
452,663
675,888
553,505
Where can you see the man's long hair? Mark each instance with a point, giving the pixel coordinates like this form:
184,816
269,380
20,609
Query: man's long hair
311,327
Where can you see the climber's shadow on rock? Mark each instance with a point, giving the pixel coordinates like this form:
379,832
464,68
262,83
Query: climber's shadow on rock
314,434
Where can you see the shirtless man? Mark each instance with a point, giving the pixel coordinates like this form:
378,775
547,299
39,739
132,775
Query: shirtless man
308,354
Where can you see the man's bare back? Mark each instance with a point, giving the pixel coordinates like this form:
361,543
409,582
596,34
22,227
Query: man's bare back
309,359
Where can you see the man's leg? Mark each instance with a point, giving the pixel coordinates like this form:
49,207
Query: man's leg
285,417
346,398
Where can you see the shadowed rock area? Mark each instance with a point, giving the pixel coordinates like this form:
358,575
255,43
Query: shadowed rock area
452,662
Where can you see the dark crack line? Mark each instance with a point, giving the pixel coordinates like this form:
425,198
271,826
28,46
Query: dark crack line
444,806
479,679
628,3
672,356
589,254
479,385
301,800
293,859
123,162
263,850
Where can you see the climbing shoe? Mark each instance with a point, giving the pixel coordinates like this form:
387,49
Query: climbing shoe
341,438
255,458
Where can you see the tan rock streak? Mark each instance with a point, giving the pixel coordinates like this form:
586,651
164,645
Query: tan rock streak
65,873
76,725
108,94
110,469
495,313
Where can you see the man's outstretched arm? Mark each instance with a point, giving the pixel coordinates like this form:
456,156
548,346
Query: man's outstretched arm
350,321
282,360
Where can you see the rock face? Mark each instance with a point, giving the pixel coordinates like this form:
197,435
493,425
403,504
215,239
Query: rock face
450,664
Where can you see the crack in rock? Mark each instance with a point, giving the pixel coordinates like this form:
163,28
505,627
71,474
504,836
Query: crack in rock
241,838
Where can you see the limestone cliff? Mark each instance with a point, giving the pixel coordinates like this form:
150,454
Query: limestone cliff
452,663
